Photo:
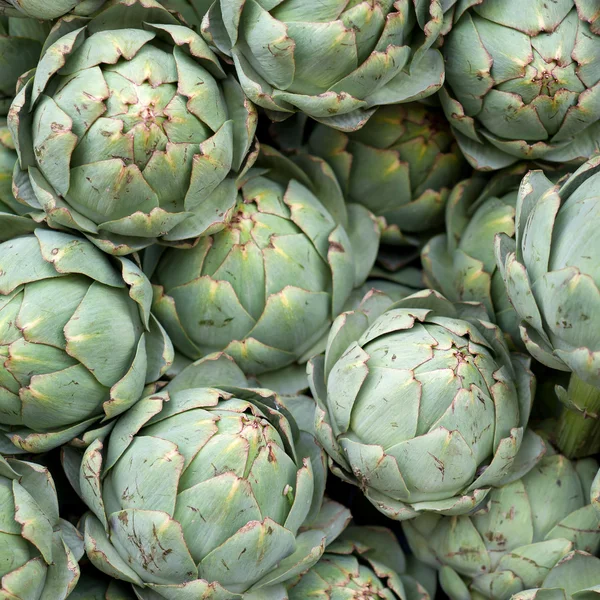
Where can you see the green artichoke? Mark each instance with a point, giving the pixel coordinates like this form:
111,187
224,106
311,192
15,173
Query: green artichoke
401,166
576,577
524,529
267,287
202,492
334,61
35,561
461,263
422,409
522,81
77,340
21,42
552,275
48,10
129,131
364,562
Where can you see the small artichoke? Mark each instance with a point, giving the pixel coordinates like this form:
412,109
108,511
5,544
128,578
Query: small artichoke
267,287
422,409
35,561
203,492
77,340
21,42
522,81
552,275
130,132
576,577
48,10
364,562
401,166
511,543
331,60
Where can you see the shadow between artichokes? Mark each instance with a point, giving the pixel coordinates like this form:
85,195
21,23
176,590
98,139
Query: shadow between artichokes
129,130
422,406
204,492
77,340
266,288
521,81
331,60
520,533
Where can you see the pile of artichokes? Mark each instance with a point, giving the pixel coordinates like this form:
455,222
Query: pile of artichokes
299,299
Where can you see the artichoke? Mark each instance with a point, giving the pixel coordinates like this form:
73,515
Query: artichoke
364,562
203,492
21,42
267,287
44,10
331,60
35,561
552,275
77,340
576,577
422,409
461,263
522,81
513,541
130,132
401,166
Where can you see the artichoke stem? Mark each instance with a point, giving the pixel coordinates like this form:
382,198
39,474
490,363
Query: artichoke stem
579,431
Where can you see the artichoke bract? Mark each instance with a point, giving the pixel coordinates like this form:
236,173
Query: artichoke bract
204,492
596,493
401,166
576,577
331,60
422,409
364,562
21,42
40,9
129,131
35,561
552,275
461,263
77,340
267,287
521,81
524,529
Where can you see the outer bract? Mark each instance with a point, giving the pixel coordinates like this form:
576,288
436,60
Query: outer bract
401,166
423,410
203,493
77,340
35,561
524,529
596,493
130,132
552,275
576,577
364,562
21,42
47,10
333,60
522,82
461,263
192,11
267,287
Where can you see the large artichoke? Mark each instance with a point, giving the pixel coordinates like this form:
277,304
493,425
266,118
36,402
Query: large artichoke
552,275
48,10
522,81
202,492
21,42
401,165
130,132
77,340
329,59
35,561
364,562
422,409
524,529
576,577
267,287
